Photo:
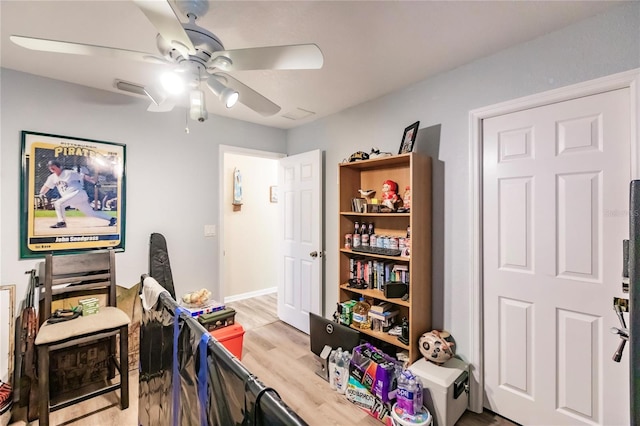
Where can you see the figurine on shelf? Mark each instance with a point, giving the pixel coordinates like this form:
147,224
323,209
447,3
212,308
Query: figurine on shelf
367,194
406,200
390,194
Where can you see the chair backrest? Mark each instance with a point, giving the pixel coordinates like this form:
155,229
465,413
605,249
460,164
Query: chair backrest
77,275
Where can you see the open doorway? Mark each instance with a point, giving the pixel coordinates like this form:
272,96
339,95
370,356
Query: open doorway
247,234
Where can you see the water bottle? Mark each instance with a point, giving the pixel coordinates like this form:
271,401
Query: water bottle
332,369
344,373
415,388
404,395
339,372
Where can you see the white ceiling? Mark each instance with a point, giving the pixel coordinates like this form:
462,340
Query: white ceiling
370,47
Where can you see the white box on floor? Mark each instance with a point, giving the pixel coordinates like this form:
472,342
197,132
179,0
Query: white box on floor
445,389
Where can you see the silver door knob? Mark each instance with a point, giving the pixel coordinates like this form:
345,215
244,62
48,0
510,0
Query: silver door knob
313,254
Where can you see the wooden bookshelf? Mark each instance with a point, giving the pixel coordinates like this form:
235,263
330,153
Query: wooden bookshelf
414,170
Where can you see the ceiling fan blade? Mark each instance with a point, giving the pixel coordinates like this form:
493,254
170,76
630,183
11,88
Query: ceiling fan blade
155,95
248,96
164,106
83,49
168,25
293,57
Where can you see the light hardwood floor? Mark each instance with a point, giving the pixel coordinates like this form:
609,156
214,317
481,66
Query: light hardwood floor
279,356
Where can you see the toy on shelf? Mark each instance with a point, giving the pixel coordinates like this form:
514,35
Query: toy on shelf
390,195
406,200
367,194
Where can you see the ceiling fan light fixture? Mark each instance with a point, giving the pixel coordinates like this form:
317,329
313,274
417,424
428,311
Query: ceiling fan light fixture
220,62
230,98
224,93
197,110
172,83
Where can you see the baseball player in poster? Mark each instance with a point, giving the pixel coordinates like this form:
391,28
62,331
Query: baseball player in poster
70,185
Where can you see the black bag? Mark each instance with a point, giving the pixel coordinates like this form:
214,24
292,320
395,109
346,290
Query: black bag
159,266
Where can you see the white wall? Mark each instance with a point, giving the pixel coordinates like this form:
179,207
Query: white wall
249,232
172,177
602,45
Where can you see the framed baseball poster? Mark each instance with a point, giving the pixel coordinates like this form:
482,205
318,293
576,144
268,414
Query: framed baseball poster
72,194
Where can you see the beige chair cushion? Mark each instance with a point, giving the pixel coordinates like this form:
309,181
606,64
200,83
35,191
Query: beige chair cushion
107,318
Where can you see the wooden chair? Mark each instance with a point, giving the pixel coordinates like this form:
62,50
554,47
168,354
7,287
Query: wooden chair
81,275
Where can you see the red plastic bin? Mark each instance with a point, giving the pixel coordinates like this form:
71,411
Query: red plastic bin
231,338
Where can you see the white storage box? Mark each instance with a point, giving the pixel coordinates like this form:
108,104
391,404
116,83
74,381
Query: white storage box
445,389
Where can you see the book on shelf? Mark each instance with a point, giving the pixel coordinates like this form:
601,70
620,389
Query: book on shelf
382,307
382,321
385,316
357,204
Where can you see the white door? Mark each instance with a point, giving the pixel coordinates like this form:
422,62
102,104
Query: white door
300,269
555,192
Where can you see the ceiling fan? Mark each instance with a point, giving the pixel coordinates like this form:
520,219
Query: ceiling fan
197,56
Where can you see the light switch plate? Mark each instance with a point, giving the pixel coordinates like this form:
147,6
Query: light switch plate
209,230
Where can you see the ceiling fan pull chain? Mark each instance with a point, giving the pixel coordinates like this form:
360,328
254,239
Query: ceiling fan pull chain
186,121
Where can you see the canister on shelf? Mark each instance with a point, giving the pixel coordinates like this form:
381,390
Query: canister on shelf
393,242
347,240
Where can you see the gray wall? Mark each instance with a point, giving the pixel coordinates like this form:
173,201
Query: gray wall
603,45
172,177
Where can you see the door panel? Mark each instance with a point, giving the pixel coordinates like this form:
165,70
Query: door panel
300,286
552,255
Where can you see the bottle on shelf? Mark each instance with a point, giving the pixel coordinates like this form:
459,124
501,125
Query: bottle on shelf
371,230
356,238
363,229
360,317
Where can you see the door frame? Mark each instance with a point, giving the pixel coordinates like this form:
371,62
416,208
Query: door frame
222,150
628,79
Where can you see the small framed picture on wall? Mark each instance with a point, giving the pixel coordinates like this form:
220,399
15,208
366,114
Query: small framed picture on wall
409,138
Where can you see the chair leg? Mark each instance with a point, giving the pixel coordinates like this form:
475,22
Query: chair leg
124,367
111,372
43,384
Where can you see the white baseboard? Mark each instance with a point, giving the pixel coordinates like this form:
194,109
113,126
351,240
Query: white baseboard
251,294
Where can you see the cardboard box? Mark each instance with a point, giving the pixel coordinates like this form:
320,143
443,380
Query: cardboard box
129,303
75,367
360,396
134,346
